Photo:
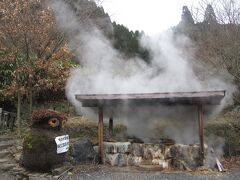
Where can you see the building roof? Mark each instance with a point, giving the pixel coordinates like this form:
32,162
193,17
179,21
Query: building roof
169,98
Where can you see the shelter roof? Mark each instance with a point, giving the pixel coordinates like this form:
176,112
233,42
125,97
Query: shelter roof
168,98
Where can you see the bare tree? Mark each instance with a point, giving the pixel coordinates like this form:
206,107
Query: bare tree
219,43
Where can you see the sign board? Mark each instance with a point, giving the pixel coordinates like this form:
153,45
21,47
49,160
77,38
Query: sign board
62,143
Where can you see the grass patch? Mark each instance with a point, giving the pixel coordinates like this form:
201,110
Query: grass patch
81,127
226,125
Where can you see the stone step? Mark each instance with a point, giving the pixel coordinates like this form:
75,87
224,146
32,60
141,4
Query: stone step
5,138
7,166
7,144
5,160
4,153
4,146
18,169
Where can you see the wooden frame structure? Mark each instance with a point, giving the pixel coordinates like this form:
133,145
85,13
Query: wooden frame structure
198,99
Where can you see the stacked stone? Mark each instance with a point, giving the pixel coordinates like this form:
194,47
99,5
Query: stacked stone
184,157
135,154
117,154
153,154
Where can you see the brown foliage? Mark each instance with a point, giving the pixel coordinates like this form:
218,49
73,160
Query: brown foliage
32,42
43,115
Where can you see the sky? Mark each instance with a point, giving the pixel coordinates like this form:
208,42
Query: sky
151,16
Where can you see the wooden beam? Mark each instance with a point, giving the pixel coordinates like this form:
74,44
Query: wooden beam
110,127
200,130
153,99
100,134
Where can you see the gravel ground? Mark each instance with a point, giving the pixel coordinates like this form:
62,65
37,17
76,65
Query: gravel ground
106,175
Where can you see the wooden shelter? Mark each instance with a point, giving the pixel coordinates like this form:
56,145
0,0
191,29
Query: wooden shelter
198,99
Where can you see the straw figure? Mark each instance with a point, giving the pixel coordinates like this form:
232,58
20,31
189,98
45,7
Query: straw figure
39,146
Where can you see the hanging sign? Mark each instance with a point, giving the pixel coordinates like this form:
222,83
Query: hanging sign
62,143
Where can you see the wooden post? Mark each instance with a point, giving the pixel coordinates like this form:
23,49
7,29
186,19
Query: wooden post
200,130
110,127
1,118
100,134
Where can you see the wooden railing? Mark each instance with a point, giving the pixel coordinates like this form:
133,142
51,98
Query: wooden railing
7,120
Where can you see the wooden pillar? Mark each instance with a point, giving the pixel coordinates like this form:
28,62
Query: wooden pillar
200,130
100,134
110,127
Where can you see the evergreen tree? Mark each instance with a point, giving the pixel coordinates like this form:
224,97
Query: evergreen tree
186,25
127,42
186,16
209,16
89,14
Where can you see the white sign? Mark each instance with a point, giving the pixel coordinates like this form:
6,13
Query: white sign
62,143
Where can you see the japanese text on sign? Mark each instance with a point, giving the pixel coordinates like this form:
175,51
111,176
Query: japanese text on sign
62,143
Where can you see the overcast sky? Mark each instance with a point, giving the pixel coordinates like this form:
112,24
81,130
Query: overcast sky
151,16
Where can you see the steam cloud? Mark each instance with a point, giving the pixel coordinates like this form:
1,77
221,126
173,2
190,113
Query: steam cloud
105,70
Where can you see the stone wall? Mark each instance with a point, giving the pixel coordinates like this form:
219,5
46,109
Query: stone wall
177,156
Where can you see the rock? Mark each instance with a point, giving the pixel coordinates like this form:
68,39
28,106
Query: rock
137,149
17,157
83,152
130,160
117,147
19,147
108,159
95,148
137,160
158,154
162,163
183,156
134,160
153,151
117,159
147,153
155,161
122,160
167,153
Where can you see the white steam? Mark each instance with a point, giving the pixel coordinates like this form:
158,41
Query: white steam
105,70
